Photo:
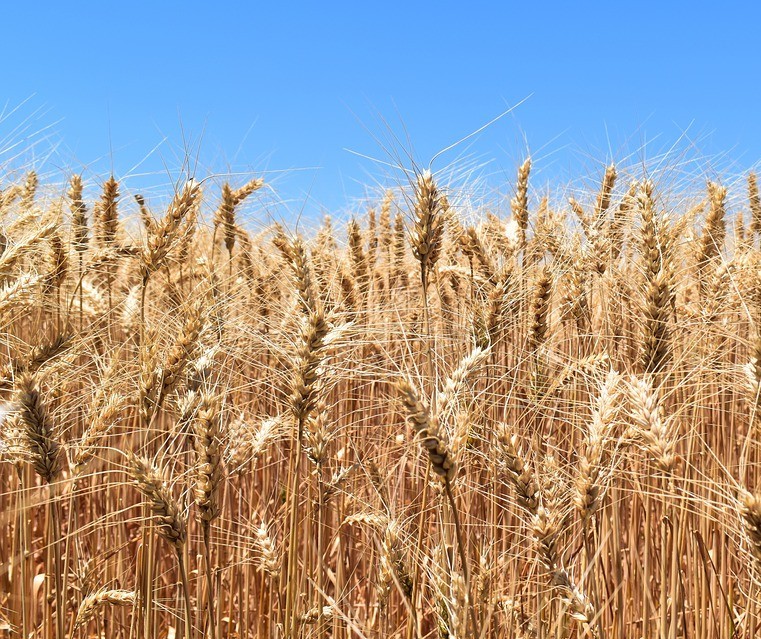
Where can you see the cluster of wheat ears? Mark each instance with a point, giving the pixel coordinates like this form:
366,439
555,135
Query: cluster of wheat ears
434,422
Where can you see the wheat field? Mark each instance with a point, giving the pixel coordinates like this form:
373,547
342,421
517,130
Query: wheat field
437,419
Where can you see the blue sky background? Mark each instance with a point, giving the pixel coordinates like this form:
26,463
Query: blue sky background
285,89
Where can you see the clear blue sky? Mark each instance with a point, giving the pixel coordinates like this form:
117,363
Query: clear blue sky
286,88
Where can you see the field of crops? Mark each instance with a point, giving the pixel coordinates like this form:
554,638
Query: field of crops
433,420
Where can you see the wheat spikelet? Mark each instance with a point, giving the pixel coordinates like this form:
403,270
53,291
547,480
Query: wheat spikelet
359,259
59,261
106,216
183,348
588,490
650,242
473,246
717,291
246,264
18,293
12,438
92,602
714,229
655,349
519,204
752,377
335,484
620,219
246,445
575,301
546,526
578,211
269,562
253,185
750,511
656,430
584,367
349,291
596,227
40,437
451,595
501,302
224,216
454,384
298,259
606,191
208,461
517,468
149,480
581,609
80,231
317,436
149,381
102,421
316,614
393,563
14,252
399,273
754,201
145,214
305,387
427,426
372,240
94,301
164,233
8,196
386,234
38,356
429,224
540,309
29,190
